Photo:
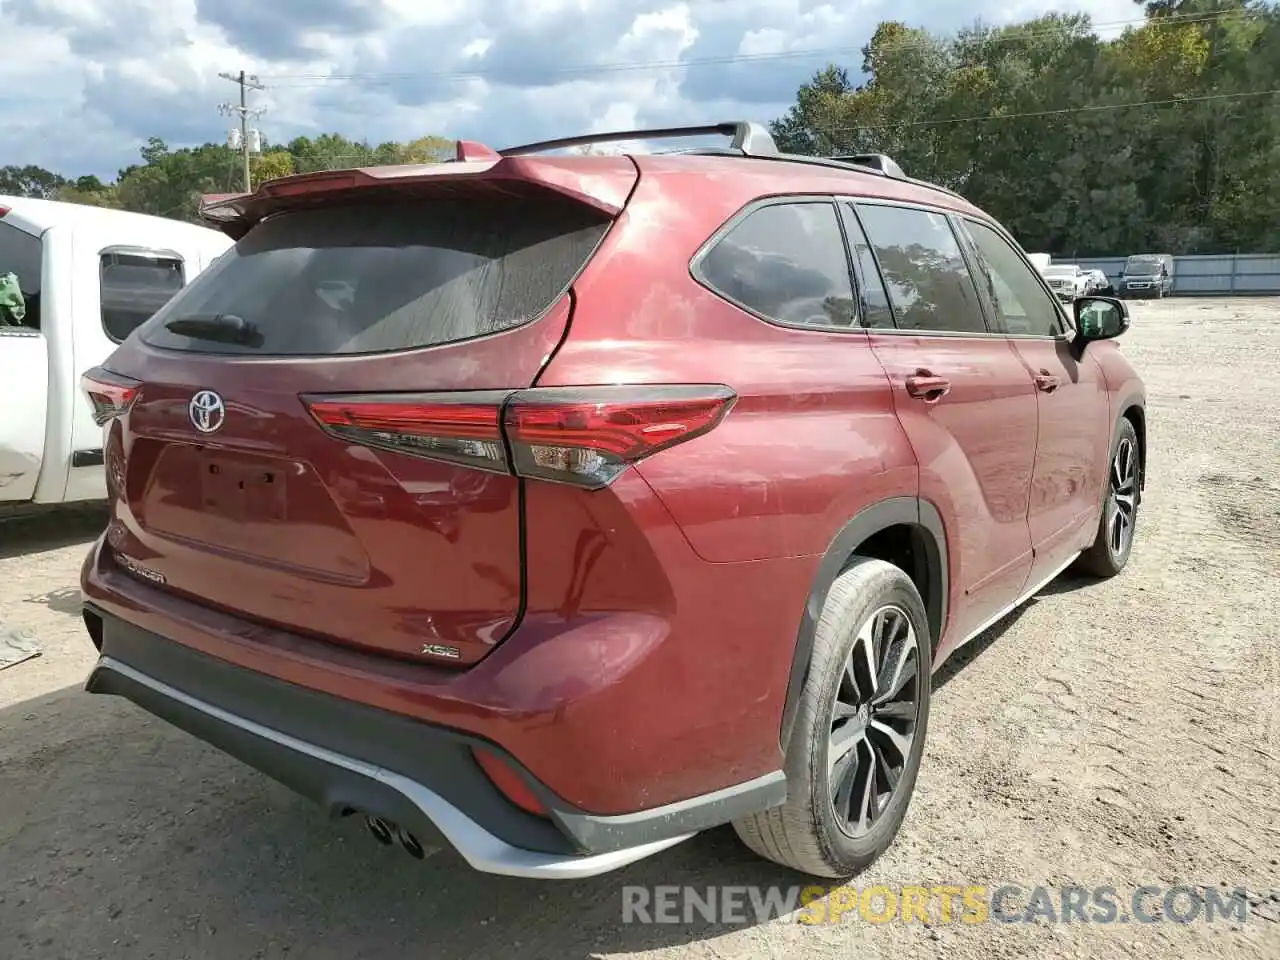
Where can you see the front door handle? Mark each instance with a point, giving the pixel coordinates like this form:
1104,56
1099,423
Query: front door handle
927,387
1046,382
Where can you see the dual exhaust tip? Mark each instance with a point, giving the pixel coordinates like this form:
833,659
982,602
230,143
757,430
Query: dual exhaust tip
388,834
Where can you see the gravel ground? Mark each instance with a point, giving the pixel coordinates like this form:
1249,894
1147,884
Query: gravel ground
1124,734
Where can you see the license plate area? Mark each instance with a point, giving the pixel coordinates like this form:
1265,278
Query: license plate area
247,492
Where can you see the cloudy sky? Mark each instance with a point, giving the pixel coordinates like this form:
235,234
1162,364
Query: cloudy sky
84,82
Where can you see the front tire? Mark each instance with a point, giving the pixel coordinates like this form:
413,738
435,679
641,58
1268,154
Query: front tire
859,734
1122,494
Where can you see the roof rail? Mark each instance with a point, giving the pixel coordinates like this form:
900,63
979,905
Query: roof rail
882,164
750,139
876,161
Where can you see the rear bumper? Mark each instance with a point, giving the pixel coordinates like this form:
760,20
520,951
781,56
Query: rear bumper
348,756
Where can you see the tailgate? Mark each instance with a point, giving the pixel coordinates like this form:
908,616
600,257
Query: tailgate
228,491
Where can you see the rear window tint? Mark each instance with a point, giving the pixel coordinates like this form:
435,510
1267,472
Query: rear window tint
134,286
373,278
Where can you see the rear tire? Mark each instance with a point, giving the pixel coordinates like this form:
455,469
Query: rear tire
857,742
1122,494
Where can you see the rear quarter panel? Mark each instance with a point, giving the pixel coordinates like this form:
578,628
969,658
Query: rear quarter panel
813,437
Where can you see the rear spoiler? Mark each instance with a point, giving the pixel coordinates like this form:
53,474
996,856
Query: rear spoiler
603,183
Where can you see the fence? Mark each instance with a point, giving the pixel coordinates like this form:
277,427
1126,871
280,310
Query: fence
1228,274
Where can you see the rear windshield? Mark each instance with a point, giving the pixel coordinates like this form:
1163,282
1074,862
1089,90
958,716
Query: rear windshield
373,278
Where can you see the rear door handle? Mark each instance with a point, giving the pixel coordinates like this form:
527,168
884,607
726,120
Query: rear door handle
927,387
1047,382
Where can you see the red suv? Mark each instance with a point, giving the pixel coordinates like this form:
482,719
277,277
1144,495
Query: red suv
563,506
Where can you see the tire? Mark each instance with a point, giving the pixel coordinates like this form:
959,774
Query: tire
1109,553
805,833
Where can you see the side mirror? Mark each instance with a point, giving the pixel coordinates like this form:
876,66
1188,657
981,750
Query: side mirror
1100,318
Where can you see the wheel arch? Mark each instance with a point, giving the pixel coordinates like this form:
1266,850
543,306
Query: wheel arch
917,519
1135,412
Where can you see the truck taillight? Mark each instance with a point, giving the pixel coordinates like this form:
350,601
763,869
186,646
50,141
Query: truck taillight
585,436
110,394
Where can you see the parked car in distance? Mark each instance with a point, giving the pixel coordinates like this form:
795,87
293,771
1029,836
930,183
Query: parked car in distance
1067,281
77,280
556,508
1148,275
1098,282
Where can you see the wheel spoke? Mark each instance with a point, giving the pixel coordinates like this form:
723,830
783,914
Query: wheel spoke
841,781
867,795
864,655
843,740
899,667
901,741
901,710
844,711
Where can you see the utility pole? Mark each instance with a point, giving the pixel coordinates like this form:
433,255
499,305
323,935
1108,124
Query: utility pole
242,110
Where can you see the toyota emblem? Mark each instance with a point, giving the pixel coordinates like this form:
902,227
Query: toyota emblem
207,411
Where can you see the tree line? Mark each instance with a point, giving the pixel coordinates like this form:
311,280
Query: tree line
1165,138
169,182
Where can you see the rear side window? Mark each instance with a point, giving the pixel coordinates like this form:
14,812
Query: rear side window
786,262
879,315
21,260
921,262
378,277
134,285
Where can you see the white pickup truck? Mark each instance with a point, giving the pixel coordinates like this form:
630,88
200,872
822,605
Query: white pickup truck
74,281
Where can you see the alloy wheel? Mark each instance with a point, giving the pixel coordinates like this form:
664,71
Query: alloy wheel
1124,498
873,720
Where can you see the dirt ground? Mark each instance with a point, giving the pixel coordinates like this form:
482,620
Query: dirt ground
1125,733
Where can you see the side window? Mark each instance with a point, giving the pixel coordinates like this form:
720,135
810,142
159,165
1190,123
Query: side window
920,260
1020,301
134,286
879,315
21,259
787,262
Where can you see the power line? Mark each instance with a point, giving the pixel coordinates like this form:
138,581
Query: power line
300,80
1092,108
242,110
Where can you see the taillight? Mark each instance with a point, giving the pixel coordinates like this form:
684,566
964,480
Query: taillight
580,435
589,435
110,393
461,428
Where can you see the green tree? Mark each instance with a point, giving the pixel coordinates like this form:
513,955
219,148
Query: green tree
30,181
1163,138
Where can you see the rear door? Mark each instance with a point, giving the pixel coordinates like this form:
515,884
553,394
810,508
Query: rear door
965,400
233,493
24,364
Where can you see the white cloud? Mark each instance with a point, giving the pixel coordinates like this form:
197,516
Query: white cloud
85,82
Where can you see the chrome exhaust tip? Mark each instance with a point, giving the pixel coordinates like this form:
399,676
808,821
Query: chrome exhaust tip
410,844
380,829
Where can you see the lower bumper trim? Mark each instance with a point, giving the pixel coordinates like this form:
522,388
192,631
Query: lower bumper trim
359,782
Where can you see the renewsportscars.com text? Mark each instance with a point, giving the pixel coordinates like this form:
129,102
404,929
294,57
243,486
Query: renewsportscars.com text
937,904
